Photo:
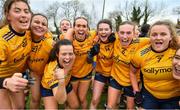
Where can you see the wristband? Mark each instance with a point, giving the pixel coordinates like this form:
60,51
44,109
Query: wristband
1,83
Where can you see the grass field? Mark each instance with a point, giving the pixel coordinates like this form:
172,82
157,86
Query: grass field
101,105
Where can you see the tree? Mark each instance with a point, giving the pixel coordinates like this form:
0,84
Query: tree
140,11
176,10
67,9
1,9
116,18
52,12
136,14
72,9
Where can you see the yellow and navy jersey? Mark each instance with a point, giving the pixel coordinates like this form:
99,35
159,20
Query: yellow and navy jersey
39,54
80,67
104,59
157,72
121,59
48,81
14,51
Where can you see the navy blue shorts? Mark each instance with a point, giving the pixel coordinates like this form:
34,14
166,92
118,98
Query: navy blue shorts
48,92
99,77
128,91
113,83
151,102
87,77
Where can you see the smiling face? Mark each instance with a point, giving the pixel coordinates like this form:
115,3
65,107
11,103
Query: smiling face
81,29
66,56
176,65
19,16
39,25
64,25
104,31
160,37
126,34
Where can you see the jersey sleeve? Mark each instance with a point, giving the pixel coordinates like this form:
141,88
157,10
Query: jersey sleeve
3,52
49,79
136,59
49,43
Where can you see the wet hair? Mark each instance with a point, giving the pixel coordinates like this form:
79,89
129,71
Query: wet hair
106,21
81,18
171,27
36,14
130,23
56,48
7,6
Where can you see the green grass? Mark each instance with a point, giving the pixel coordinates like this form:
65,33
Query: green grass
89,96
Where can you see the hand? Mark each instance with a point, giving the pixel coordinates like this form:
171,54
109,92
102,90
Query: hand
16,83
93,51
112,38
59,74
96,40
138,99
26,75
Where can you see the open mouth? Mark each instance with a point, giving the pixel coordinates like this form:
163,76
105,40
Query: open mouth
81,33
24,22
67,63
177,70
158,43
103,38
65,30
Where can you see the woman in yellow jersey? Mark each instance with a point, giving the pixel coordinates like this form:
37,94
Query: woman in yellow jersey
41,47
159,89
124,48
104,60
65,24
81,71
56,87
176,59
15,46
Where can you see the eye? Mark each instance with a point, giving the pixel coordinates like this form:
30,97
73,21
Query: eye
84,26
163,34
106,29
100,29
71,54
154,34
177,57
63,54
17,10
121,32
44,24
78,25
128,33
26,11
37,21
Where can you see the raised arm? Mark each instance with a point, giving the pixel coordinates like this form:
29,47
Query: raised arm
69,34
60,91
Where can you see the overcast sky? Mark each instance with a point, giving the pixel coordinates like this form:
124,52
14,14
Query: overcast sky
110,5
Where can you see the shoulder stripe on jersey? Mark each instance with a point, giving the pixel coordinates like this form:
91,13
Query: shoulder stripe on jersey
8,36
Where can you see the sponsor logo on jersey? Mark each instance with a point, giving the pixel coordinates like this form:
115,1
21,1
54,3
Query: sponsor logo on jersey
157,70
